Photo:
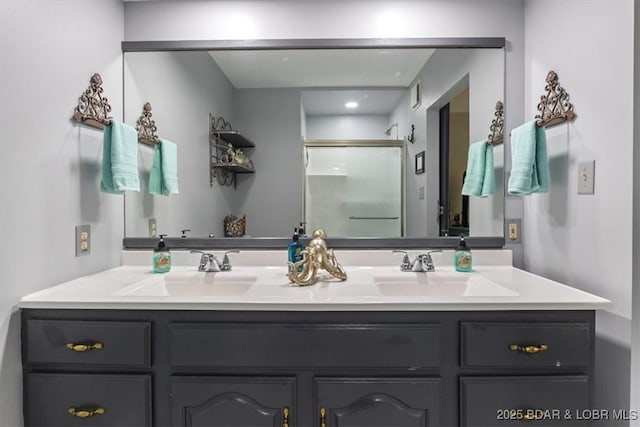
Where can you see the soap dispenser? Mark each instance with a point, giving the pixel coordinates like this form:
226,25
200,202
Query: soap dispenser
462,257
161,257
295,248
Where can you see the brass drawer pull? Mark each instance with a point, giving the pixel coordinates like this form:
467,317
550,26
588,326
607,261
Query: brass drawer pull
85,347
86,413
323,416
285,417
530,349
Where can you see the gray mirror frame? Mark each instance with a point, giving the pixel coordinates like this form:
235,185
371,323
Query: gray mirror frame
266,243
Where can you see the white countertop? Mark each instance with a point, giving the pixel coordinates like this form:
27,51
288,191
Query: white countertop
258,282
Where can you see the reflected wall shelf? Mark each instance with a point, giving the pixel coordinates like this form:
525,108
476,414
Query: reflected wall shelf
226,152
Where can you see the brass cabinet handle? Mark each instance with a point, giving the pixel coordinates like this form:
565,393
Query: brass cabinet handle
323,416
529,349
85,347
86,413
285,417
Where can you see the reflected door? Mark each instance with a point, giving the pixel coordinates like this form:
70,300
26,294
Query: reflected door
354,190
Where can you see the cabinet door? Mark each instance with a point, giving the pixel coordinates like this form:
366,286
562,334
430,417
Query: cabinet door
378,402
232,401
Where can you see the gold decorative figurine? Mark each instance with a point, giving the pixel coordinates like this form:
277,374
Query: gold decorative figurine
314,257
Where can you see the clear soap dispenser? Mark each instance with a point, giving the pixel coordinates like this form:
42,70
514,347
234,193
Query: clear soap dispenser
462,257
161,257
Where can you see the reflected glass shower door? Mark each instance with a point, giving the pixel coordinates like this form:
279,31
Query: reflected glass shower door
354,190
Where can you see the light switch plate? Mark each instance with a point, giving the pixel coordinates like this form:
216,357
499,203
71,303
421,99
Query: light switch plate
83,240
586,177
513,230
153,227
421,193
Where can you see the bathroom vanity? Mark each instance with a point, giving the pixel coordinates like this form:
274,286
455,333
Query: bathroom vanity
244,348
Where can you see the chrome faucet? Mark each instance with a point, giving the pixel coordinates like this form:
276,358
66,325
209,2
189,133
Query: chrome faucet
211,263
422,263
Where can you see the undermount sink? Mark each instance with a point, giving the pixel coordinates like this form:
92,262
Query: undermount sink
191,283
439,284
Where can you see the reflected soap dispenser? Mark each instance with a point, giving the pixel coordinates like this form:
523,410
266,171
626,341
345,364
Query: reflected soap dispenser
161,257
294,252
462,257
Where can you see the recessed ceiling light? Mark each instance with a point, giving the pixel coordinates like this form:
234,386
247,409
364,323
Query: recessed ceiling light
351,104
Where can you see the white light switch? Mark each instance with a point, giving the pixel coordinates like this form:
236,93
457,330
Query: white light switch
586,177
421,193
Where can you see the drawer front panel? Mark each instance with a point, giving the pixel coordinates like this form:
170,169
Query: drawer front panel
525,345
122,344
293,346
96,400
548,401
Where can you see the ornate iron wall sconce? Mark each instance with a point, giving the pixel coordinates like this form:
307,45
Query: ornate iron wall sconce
92,108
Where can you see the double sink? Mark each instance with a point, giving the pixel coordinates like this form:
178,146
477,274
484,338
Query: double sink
264,283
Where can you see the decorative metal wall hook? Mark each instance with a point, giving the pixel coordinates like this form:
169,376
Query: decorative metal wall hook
497,126
412,138
92,108
146,127
554,106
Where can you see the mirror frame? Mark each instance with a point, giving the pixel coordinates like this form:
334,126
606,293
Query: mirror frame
266,243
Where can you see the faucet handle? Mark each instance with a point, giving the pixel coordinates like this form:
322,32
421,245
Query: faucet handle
204,260
429,261
406,263
226,265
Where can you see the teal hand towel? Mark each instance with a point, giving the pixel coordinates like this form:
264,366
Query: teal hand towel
480,177
529,162
163,179
119,159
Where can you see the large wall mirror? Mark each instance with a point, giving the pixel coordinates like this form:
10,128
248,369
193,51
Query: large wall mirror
348,137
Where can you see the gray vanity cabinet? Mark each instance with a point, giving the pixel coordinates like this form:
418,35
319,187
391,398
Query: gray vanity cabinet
378,402
232,401
197,368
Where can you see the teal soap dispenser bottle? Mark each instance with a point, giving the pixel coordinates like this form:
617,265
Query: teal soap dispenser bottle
161,257
462,257
294,250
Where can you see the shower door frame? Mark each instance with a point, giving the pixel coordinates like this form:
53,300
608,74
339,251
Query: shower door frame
357,143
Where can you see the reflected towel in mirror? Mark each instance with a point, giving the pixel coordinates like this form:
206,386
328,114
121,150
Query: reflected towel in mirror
163,179
480,177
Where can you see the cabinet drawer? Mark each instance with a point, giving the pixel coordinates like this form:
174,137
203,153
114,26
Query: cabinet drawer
525,345
122,344
303,345
547,400
107,400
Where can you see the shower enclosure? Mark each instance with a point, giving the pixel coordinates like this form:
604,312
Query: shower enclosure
354,188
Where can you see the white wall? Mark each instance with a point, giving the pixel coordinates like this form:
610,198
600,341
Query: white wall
586,240
50,167
271,119
352,126
183,88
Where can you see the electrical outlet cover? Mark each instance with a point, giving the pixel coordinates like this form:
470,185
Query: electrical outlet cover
586,177
83,240
153,227
513,230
